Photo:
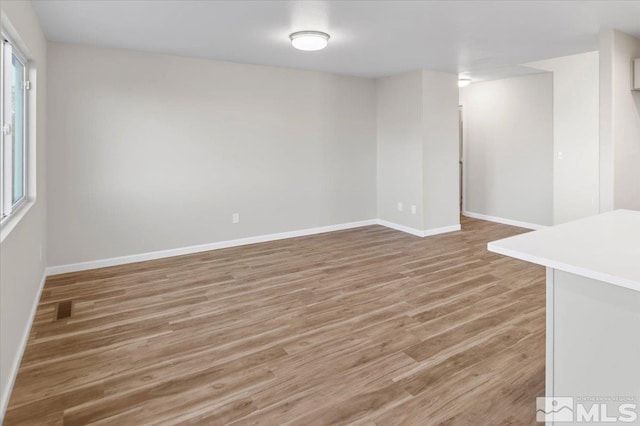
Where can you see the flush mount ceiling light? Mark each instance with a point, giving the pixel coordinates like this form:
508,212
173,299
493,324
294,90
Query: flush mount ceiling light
462,82
309,40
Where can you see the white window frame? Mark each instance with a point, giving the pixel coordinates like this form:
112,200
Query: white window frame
9,209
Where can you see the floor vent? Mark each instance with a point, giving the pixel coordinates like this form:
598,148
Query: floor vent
63,310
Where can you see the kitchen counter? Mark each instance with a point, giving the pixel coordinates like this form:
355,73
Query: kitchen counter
592,303
605,247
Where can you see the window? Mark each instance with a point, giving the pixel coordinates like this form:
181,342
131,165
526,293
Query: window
13,159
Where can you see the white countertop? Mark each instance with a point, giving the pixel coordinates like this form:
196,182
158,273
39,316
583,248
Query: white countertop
605,247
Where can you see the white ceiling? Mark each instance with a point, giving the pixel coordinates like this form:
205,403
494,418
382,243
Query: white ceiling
368,38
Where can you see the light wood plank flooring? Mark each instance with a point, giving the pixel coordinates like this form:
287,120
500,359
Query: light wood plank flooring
367,326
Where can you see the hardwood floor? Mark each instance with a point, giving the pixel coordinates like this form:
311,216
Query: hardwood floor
368,326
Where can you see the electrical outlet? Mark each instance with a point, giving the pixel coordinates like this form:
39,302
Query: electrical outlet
560,156
414,209
235,218
400,207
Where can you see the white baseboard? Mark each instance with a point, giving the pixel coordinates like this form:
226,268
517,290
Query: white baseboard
83,266
398,227
503,220
122,260
442,230
6,394
417,232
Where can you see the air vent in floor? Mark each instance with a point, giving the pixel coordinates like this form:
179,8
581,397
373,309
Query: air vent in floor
63,310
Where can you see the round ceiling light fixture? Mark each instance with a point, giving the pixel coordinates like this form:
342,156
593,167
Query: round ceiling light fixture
463,82
309,40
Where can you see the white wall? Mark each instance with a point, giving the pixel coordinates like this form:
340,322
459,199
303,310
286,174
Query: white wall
441,147
508,144
575,135
418,150
156,152
22,251
400,132
619,123
606,120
